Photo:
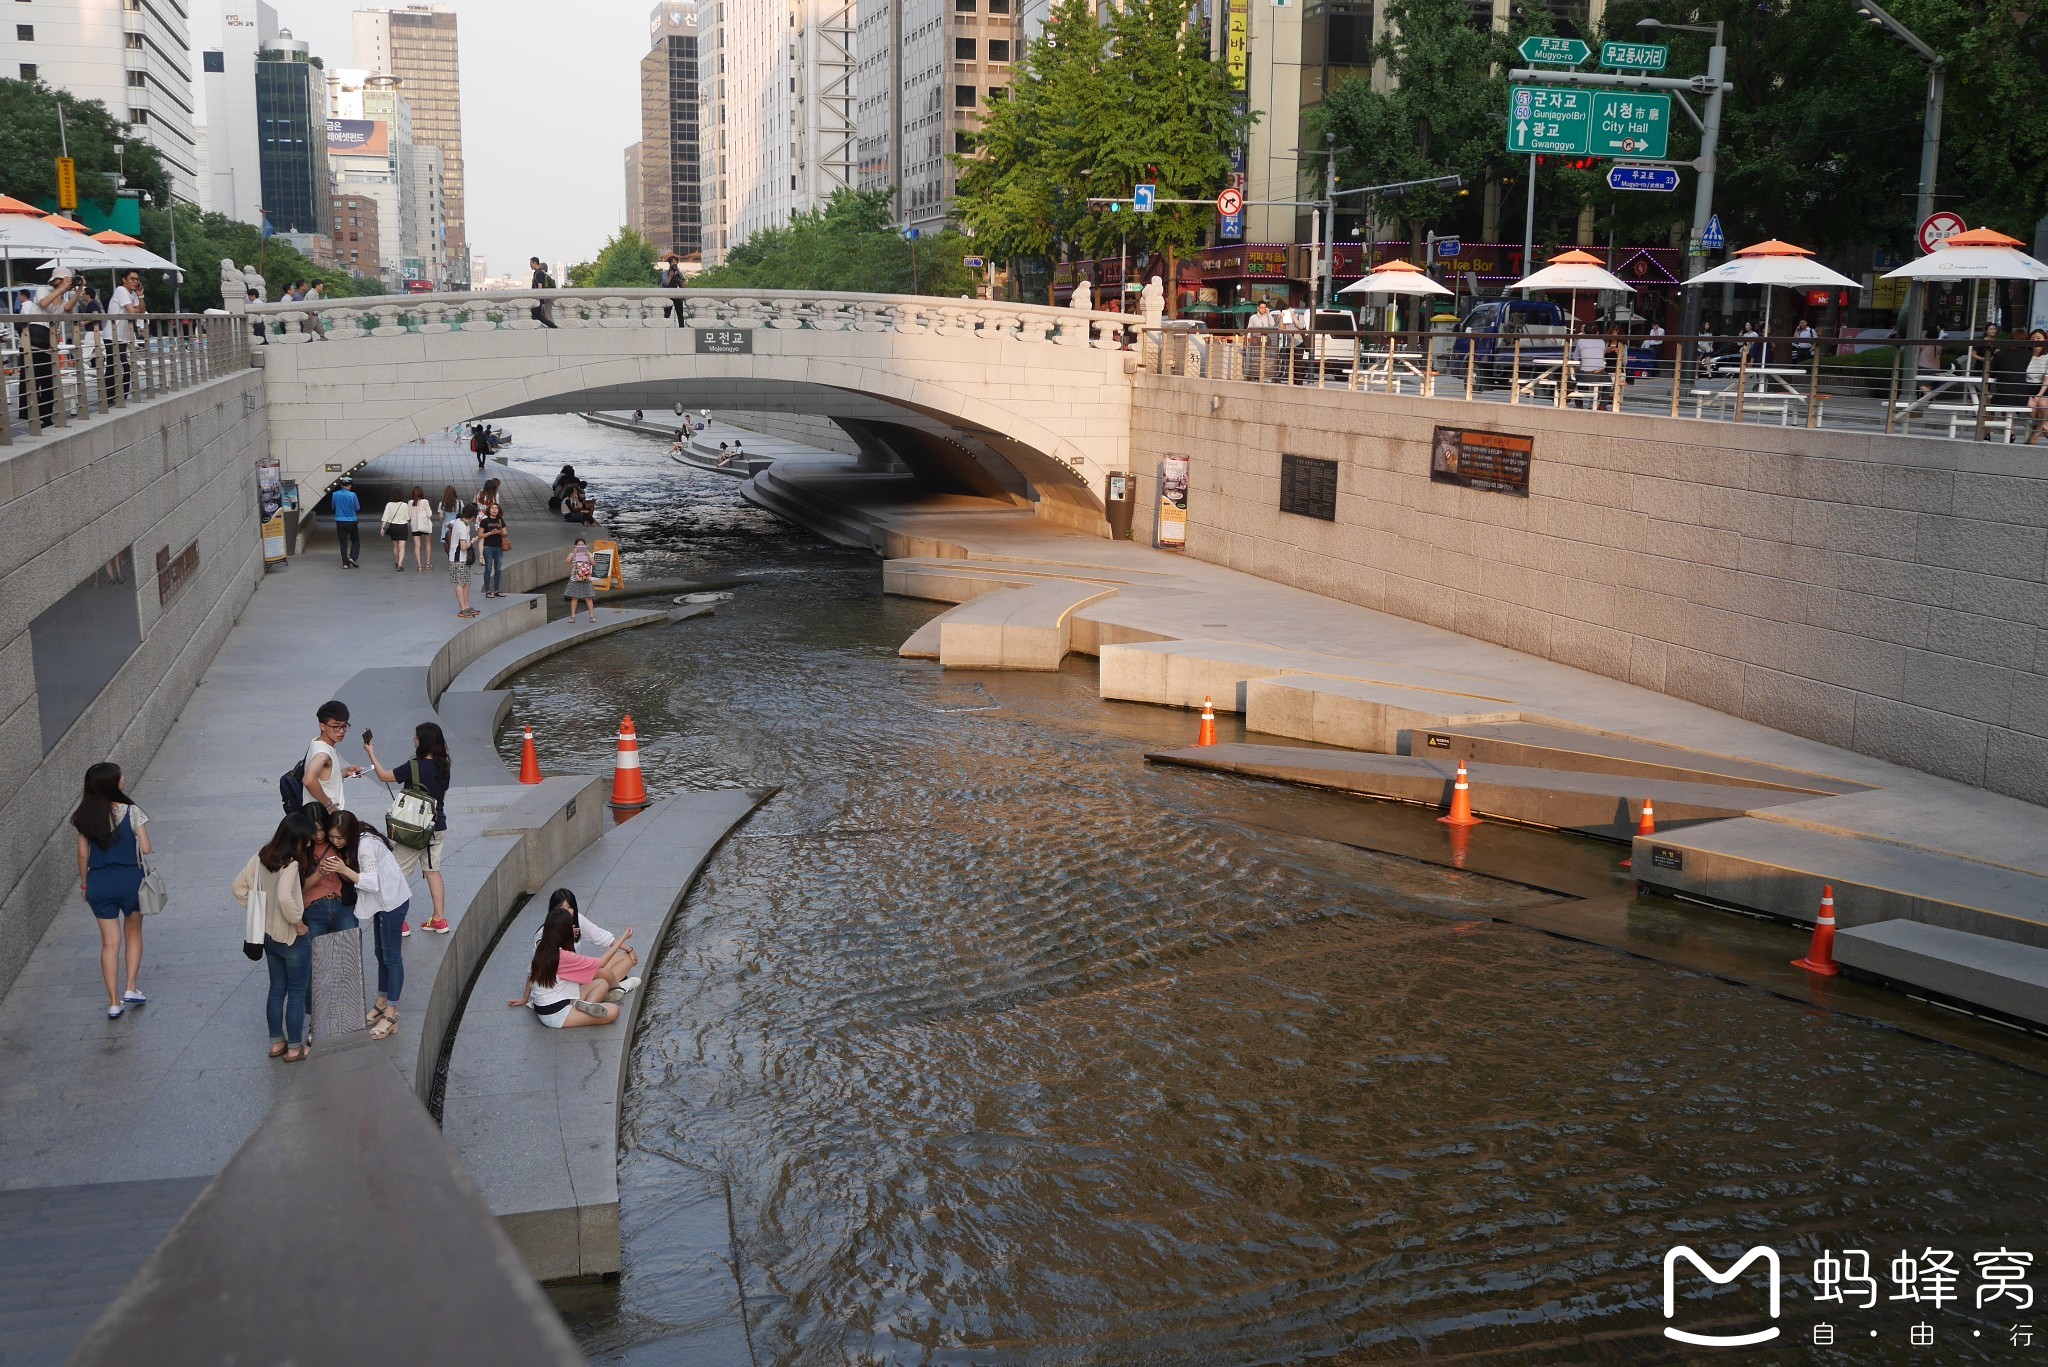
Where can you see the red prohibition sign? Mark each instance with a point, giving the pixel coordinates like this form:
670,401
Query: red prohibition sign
1229,202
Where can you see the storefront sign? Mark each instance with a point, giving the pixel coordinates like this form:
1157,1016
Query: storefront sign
173,573
725,341
1498,461
1173,503
1267,261
1308,487
1237,45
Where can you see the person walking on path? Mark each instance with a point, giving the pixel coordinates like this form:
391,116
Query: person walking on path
458,539
277,874
113,838
324,769
582,565
383,895
567,989
542,281
495,540
347,509
428,769
396,524
479,444
422,531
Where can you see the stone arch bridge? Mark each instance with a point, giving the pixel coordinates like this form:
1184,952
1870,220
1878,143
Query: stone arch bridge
1003,400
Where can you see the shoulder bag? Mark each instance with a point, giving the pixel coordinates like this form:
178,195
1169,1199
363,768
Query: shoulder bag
255,918
153,895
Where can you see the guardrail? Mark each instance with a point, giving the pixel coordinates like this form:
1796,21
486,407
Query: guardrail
1978,389
66,368
341,320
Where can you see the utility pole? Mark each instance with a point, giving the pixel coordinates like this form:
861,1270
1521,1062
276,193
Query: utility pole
1709,120
1323,220
1930,159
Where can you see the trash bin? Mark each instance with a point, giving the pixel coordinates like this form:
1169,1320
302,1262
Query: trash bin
1118,505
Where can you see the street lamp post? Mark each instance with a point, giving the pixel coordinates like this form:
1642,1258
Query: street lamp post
1930,158
1710,139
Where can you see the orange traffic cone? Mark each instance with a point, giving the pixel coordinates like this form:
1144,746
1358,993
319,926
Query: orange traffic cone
1820,955
1647,826
1461,802
1208,733
529,762
628,792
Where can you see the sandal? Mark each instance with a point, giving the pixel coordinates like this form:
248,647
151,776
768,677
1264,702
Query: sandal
385,1028
277,1051
296,1055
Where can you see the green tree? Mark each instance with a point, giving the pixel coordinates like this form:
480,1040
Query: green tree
850,245
627,262
204,238
30,144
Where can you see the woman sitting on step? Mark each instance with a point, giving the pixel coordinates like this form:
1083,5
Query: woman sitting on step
568,989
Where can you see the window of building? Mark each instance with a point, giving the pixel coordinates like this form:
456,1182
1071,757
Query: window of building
963,6
997,92
135,78
963,142
210,61
24,33
28,71
138,117
999,49
963,97
963,49
998,6
135,42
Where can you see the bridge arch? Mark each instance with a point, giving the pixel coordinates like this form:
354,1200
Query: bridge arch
990,398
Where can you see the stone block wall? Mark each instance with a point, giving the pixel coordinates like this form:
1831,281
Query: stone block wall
1884,594
176,472
822,433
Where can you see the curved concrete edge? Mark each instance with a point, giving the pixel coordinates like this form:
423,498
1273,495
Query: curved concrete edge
491,668
533,1112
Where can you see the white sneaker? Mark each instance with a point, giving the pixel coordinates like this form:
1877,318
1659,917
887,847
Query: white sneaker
619,993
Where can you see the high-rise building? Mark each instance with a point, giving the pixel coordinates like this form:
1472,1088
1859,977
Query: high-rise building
355,233
133,56
928,69
418,45
671,209
370,149
779,113
291,137
427,252
233,183
635,219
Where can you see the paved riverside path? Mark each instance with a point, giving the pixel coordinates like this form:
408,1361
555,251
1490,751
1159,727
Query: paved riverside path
170,1090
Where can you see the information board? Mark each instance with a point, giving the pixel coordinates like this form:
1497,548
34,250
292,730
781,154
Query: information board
1570,121
1308,487
1497,461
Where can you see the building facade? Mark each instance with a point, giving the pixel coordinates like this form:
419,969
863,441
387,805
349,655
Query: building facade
291,136
355,233
370,150
233,183
670,176
927,70
134,56
635,219
419,45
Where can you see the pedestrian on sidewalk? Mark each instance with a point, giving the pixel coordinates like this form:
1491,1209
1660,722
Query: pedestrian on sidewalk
479,444
428,769
495,539
384,896
582,564
396,523
458,539
422,531
324,769
113,840
277,874
347,509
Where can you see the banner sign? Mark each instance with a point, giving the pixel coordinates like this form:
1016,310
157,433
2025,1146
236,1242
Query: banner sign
1173,504
358,138
1497,461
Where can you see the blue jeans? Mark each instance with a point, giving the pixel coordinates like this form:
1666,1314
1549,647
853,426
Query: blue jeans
291,973
390,947
494,570
329,914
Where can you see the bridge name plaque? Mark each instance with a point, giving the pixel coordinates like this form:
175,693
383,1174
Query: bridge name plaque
725,341
1308,487
1498,461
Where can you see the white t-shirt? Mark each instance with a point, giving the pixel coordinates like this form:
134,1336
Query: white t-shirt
382,886
118,306
422,517
326,791
562,991
455,540
1592,354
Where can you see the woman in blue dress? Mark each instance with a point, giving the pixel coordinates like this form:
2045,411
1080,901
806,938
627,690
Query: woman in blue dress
113,836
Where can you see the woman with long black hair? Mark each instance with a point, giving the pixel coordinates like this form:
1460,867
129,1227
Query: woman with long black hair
567,989
113,837
278,873
382,895
428,768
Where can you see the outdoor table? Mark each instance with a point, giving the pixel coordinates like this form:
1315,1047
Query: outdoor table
1384,363
1538,372
1765,387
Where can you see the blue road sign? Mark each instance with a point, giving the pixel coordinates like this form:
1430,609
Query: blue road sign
1142,196
1663,179
910,234
1230,227
973,263
1713,239
1448,246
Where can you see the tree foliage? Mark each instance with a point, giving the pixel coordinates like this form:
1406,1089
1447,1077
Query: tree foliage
627,262
850,245
1094,109
203,239
30,145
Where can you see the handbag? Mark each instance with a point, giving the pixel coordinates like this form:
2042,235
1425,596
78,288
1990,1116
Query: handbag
152,895
254,919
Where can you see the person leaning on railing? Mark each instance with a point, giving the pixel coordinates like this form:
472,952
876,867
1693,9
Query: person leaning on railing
2037,378
39,344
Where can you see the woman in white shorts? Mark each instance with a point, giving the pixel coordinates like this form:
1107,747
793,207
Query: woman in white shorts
567,989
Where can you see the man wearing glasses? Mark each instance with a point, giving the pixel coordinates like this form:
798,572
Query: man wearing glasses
127,300
324,771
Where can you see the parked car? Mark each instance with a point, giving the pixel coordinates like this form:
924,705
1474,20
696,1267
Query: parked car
1493,327
1333,342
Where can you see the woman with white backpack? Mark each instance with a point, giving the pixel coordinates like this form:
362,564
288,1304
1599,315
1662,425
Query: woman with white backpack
426,775
383,896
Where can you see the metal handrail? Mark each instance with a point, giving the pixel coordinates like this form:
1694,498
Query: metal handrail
61,368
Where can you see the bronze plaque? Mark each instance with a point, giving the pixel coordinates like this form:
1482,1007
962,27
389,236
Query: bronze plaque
173,574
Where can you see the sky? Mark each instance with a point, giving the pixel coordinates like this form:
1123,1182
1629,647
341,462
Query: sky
550,100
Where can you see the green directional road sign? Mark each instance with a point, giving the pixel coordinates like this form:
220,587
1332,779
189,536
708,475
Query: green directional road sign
1627,124
1634,56
1554,51
1549,118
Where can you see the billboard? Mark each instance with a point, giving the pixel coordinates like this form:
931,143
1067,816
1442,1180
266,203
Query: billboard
358,138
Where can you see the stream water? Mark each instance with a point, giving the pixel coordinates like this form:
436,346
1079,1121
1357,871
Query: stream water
985,1041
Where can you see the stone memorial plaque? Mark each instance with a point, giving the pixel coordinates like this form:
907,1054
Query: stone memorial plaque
1498,461
1308,487
173,573
725,341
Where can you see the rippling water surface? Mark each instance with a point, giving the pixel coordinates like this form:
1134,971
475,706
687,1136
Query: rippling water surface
984,1041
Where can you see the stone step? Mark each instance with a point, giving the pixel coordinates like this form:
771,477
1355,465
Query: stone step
2008,978
1022,628
1596,804
1359,715
1181,673
1559,747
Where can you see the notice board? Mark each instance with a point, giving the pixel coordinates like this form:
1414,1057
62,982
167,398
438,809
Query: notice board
1308,487
1497,461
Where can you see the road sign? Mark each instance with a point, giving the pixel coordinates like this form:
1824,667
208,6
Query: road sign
1713,239
1230,202
910,234
1941,225
1230,227
1663,179
1142,197
1573,122
973,263
1634,56
67,183
1554,51
1448,246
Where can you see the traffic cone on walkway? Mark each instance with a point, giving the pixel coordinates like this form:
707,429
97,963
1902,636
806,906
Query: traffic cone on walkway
628,792
1208,732
529,762
1820,955
1646,826
1461,802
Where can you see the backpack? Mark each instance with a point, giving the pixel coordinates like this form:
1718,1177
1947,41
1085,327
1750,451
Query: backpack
291,787
411,820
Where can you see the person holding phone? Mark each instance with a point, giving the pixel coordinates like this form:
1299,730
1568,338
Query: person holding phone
57,301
